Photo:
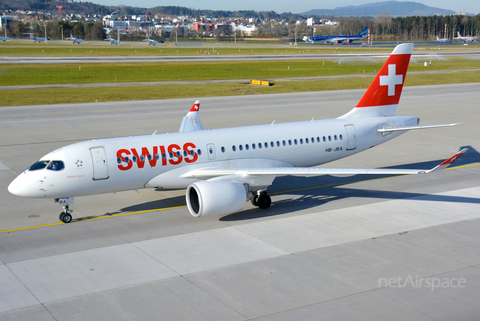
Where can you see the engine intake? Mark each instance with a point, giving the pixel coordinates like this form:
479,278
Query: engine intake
208,198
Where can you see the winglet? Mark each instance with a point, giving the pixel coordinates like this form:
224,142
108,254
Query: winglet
191,122
447,162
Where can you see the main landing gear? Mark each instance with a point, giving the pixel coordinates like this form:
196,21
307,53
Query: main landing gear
65,216
262,200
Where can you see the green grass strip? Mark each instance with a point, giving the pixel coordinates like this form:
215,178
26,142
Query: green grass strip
95,94
40,74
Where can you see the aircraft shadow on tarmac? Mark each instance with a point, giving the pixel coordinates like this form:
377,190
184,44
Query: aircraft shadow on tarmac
308,195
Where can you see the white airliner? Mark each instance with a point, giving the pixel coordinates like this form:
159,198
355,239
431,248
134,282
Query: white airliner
39,39
151,41
466,39
75,40
113,41
442,39
224,168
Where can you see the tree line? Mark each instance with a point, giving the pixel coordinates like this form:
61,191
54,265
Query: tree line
382,28
55,29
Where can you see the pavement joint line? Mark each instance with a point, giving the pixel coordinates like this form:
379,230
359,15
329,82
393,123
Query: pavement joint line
180,206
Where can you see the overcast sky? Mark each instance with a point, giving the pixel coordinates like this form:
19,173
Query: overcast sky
279,6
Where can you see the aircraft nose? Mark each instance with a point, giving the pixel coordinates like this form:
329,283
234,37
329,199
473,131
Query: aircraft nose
16,185
21,186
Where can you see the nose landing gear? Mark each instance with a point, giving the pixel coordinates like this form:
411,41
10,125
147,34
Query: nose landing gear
65,216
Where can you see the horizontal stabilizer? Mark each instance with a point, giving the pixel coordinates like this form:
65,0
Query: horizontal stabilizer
386,130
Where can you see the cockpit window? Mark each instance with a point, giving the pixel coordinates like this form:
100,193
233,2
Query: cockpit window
41,164
56,166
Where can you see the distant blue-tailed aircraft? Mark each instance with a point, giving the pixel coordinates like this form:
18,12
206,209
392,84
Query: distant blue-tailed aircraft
336,39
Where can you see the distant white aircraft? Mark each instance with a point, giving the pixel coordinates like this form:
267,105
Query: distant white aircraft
5,39
113,41
222,169
151,41
35,39
75,40
442,39
466,39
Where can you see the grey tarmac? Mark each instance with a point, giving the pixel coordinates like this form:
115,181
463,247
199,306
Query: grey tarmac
329,248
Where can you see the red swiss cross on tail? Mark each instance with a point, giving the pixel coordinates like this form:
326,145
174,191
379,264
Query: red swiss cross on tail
383,95
196,106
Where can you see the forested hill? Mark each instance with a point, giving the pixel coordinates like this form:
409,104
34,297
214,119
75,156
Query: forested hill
391,8
89,8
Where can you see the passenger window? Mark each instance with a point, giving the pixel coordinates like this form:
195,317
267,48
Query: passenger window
39,165
170,154
185,154
301,141
335,137
324,138
329,138
119,160
157,157
271,144
199,152
142,158
246,146
295,141
240,147
234,148
318,139
283,143
259,145
56,166
278,143
223,149
341,137
253,146
134,159
266,145
164,156
306,140
127,160
289,142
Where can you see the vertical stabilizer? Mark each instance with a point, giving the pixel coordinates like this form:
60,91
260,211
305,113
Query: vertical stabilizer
383,95
191,122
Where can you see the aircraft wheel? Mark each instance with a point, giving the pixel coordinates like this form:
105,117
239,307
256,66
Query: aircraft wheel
264,201
255,200
65,217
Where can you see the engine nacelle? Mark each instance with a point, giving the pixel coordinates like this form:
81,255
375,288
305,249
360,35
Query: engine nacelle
208,198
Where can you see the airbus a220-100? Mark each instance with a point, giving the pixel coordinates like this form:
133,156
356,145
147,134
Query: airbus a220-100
222,169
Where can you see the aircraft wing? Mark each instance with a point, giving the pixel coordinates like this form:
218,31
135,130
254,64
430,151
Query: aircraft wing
208,173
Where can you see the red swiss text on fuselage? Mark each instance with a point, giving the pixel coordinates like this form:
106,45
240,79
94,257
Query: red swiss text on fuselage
173,154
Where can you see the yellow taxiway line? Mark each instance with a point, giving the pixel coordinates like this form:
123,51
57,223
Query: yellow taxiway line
180,206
